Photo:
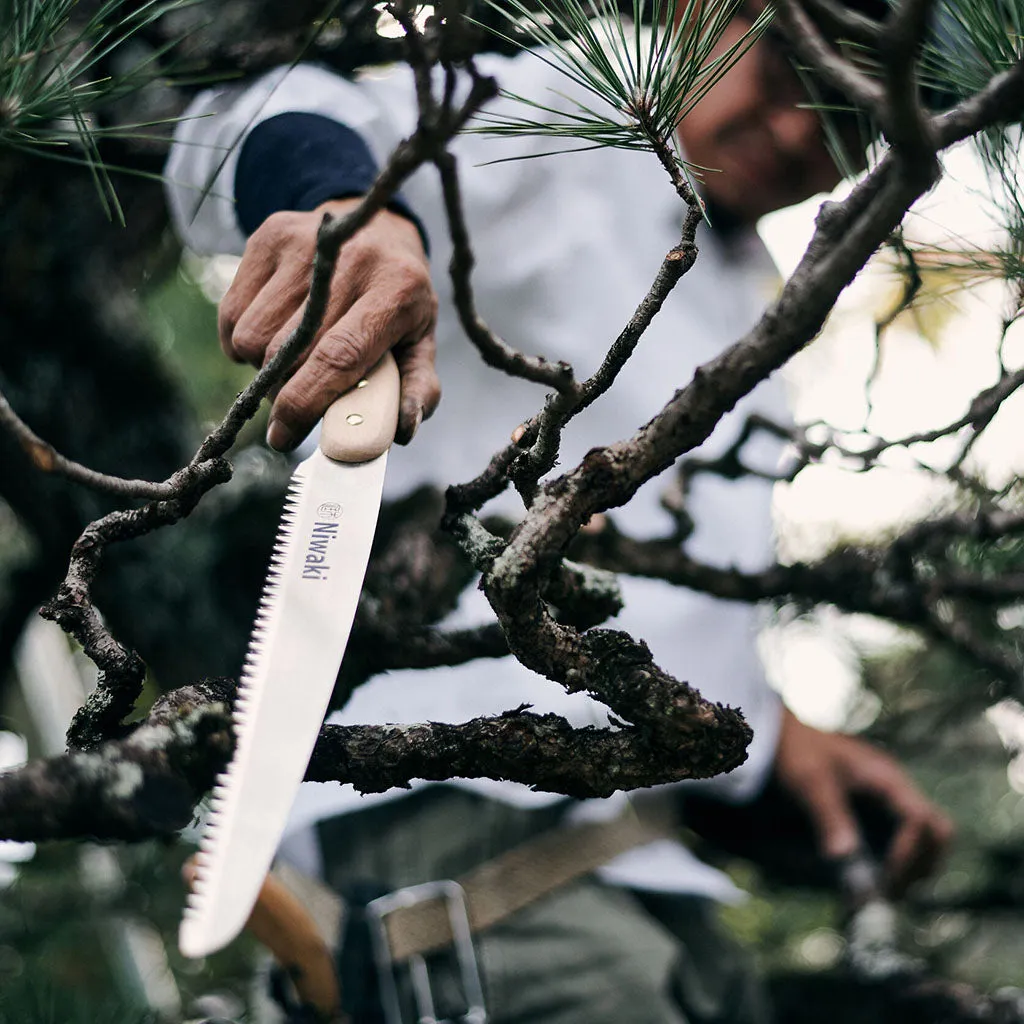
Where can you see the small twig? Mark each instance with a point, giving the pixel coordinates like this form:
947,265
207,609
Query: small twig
47,459
815,50
494,351
853,579
982,411
729,464
121,670
417,55
1000,102
846,23
494,480
912,283
903,118
560,409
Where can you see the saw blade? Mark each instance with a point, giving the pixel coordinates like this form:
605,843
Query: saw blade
295,650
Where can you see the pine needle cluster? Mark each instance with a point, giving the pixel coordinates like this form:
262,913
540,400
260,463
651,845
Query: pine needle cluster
54,77
640,80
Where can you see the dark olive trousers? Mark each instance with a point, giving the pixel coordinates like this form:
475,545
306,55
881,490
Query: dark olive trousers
589,954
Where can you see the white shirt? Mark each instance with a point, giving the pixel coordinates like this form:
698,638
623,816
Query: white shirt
566,248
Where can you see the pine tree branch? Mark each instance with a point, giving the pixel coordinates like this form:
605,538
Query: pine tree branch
142,786
815,50
999,103
121,670
494,351
845,23
47,459
542,751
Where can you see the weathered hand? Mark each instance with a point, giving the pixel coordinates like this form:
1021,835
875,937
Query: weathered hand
823,770
381,297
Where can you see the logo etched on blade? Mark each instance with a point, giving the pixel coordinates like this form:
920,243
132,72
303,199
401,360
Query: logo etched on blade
315,565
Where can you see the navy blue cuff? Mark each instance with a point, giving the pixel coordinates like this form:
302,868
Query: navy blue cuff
297,161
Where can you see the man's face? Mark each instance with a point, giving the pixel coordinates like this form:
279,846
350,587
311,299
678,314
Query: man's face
761,150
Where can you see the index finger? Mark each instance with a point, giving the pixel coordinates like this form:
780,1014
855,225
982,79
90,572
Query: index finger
257,267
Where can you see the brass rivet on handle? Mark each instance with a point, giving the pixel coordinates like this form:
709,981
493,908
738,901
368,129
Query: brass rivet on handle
353,419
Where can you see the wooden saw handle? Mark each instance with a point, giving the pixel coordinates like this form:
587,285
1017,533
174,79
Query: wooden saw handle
282,924
361,424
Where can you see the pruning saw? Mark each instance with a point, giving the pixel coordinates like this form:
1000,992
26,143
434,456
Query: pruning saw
295,650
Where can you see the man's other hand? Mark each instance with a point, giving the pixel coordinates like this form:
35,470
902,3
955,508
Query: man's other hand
823,770
380,298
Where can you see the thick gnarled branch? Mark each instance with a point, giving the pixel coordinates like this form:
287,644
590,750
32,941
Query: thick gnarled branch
148,783
542,751
142,786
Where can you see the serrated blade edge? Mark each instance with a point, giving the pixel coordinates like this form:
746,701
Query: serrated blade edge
295,650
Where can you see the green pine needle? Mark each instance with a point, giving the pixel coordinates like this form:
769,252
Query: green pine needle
49,86
642,80
973,41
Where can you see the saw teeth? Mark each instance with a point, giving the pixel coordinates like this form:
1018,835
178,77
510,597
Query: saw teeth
214,877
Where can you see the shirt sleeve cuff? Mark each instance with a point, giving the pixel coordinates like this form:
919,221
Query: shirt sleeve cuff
296,161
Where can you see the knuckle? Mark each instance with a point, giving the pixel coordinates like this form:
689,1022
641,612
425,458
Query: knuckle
414,299
360,254
276,227
414,276
406,295
340,352
249,342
